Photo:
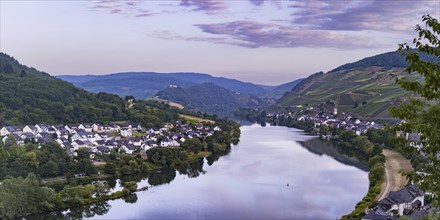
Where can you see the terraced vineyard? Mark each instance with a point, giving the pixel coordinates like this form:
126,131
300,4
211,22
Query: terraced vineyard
367,91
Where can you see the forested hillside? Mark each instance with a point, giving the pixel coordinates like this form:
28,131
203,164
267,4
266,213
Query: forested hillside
30,96
210,98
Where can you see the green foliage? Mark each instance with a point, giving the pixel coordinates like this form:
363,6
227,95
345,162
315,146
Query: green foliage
110,168
82,154
20,196
73,195
130,186
50,160
192,145
89,168
422,116
161,177
210,98
370,81
36,97
165,156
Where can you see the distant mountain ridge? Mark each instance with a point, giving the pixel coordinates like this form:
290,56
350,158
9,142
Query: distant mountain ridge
277,92
146,84
210,98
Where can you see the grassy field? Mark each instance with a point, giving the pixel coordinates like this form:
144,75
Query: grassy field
195,119
395,163
138,134
173,104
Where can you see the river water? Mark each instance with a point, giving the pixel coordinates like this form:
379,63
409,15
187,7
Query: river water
273,173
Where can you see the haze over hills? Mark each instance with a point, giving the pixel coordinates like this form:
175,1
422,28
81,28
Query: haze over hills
29,96
146,84
210,98
277,92
366,87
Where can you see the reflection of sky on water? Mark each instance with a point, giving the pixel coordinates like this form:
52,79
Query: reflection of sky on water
251,182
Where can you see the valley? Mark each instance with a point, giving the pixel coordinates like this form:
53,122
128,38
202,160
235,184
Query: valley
220,109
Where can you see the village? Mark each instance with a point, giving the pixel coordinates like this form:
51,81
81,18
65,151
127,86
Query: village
99,139
408,201
345,120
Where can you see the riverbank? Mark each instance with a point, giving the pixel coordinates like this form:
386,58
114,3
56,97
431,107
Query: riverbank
352,145
192,157
394,180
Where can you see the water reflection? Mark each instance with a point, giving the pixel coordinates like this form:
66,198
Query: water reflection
156,178
81,212
251,182
320,147
162,177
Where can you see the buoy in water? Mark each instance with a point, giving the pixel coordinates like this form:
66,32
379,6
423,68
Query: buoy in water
287,185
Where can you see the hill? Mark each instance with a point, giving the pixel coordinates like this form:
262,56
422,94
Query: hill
386,60
277,92
210,98
366,87
146,84
31,96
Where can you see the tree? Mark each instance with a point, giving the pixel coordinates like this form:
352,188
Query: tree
49,169
421,115
89,167
130,186
83,154
110,168
19,196
192,145
10,141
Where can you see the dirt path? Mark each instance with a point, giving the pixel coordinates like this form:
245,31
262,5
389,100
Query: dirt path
394,163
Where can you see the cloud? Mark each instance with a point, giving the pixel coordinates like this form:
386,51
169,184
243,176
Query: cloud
253,34
378,15
257,2
126,8
209,6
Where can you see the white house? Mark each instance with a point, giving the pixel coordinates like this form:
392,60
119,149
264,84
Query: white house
126,132
86,127
83,135
30,129
71,128
137,141
42,128
98,128
135,126
406,199
169,143
128,149
7,130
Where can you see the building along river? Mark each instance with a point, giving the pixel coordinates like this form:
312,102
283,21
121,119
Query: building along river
273,173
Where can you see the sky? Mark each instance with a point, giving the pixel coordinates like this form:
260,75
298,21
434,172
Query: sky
258,41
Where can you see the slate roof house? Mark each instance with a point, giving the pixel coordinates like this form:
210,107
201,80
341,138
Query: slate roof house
399,202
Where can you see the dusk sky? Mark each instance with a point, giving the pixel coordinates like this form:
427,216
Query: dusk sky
265,42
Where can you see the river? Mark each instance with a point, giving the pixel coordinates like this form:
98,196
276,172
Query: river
273,173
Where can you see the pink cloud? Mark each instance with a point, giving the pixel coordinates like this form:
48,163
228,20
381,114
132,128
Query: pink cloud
254,34
354,15
209,6
126,8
